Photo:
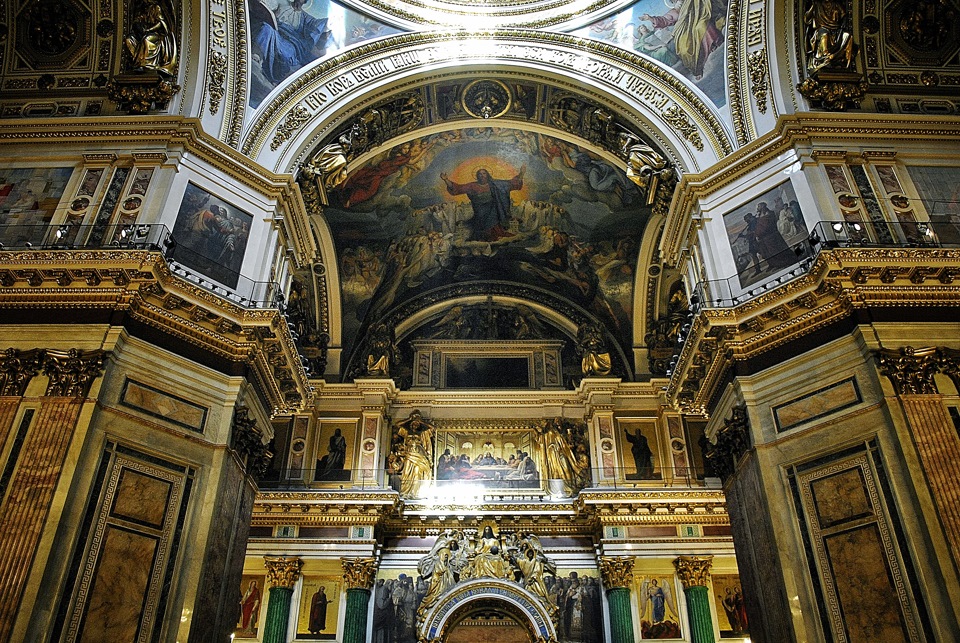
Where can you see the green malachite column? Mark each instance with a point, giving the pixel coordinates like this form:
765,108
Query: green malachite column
282,575
359,574
694,573
617,575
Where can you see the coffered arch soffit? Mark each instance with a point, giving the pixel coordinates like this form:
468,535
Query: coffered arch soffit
311,106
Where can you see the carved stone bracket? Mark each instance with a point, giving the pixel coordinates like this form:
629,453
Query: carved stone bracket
17,368
694,571
248,442
731,442
359,573
282,572
616,571
139,93
72,372
912,370
835,91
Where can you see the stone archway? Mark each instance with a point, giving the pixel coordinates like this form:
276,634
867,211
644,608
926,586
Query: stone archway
488,620
488,597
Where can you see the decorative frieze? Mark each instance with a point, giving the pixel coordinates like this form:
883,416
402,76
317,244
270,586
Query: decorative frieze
359,572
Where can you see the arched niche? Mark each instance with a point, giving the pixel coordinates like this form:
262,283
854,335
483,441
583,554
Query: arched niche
673,115
517,601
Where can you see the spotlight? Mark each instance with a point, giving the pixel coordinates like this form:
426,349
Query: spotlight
838,227
856,226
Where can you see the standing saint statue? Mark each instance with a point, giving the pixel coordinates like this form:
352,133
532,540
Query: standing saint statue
417,453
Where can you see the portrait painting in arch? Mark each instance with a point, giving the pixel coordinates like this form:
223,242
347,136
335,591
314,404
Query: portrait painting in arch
684,35
659,612
211,236
253,594
731,612
487,205
319,608
639,450
335,451
767,235
28,199
287,35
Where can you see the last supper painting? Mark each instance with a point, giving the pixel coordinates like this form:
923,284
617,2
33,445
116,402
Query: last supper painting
437,215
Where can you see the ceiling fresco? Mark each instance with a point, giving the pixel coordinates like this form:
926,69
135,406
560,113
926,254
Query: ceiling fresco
482,209
287,35
685,35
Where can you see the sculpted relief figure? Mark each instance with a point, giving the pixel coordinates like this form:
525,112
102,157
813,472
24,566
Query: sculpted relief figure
414,454
152,45
829,36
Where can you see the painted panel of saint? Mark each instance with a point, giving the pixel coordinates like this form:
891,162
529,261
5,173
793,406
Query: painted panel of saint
684,35
29,197
211,236
640,450
731,613
251,600
577,594
287,35
335,451
319,608
659,614
396,596
765,234
482,206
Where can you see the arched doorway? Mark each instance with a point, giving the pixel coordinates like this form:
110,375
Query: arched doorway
488,621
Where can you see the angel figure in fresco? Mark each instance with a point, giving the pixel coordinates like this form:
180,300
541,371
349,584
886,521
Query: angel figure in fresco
658,611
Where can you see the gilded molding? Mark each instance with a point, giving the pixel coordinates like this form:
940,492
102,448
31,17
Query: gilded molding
217,77
359,573
757,65
72,372
282,572
616,571
17,368
741,121
139,95
838,94
694,571
294,120
678,119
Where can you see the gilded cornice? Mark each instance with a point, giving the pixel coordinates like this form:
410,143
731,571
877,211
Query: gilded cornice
176,135
140,284
680,96
840,282
793,131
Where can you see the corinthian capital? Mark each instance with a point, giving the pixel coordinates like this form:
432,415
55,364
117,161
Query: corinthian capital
282,572
17,368
911,370
694,571
359,573
72,372
616,571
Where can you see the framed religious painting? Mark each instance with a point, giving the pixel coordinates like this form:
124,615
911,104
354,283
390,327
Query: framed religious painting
336,447
640,449
731,613
577,595
318,619
396,596
659,608
253,593
28,200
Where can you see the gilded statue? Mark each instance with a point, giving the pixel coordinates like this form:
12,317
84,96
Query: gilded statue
829,36
382,349
566,455
153,44
328,166
595,359
416,451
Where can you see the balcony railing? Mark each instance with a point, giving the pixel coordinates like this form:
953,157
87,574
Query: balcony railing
184,262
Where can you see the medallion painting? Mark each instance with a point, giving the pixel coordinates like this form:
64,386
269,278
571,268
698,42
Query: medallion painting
659,615
685,35
290,34
211,236
488,206
29,197
251,600
731,612
765,235
319,603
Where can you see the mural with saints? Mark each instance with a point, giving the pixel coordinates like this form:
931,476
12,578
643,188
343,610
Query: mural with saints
487,205
685,35
288,35
404,598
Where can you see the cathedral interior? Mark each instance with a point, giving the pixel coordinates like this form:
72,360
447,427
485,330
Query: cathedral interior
259,259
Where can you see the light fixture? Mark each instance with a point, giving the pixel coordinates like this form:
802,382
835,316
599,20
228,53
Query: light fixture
838,227
857,227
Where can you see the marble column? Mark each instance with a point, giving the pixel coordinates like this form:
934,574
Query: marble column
359,574
694,573
282,575
617,576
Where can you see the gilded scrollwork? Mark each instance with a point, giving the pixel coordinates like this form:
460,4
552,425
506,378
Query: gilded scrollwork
359,573
694,571
757,65
616,571
217,74
680,122
282,571
294,120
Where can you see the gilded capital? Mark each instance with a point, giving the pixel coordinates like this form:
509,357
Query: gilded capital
359,573
694,571
616,571
72,372
911,370
281,571
17,368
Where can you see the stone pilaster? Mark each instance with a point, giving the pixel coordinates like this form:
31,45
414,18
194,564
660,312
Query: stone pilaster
694,573
359,574
282,575
912,372
617,575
